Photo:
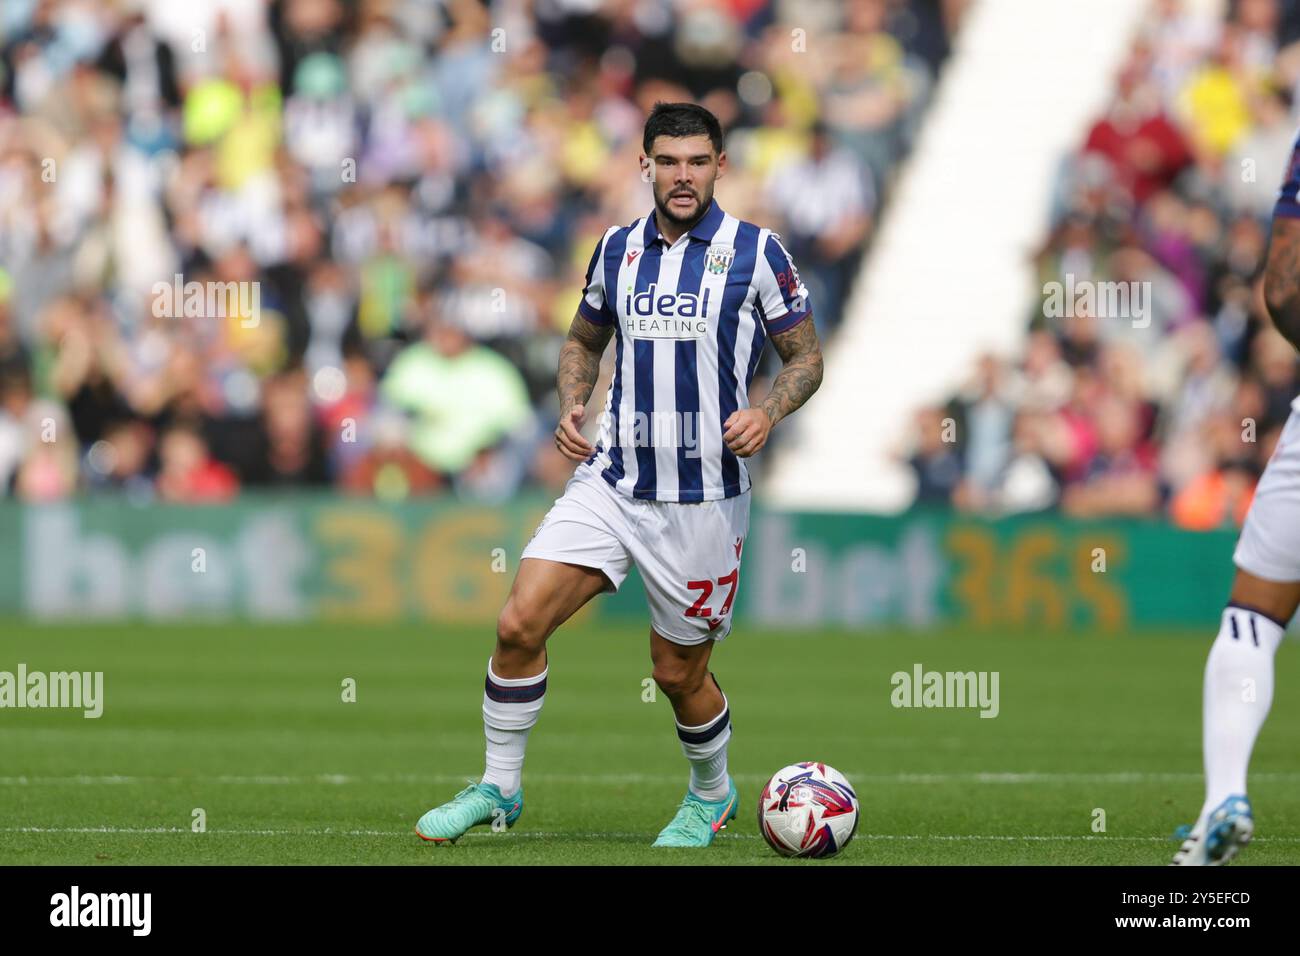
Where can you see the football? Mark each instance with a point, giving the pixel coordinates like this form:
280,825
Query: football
808,809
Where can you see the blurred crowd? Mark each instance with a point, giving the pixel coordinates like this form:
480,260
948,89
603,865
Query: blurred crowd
1174,404
412,190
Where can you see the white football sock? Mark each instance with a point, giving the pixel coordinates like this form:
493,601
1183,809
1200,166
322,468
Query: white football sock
510,708
705,747
1238,693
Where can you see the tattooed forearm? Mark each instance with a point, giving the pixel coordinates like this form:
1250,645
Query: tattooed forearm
1282,278
801,374
580,361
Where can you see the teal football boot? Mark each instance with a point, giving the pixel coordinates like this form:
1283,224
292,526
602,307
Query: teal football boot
477,804
698,820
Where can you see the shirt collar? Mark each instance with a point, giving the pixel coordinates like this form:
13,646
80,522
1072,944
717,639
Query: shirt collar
704,229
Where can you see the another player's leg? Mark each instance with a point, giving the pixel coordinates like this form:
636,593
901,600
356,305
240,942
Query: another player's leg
703,721
1237,696
545,594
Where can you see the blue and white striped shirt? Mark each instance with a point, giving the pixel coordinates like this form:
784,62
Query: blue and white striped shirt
691,320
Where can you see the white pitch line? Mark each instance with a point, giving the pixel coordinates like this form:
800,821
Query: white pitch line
178,830
552,835
340,779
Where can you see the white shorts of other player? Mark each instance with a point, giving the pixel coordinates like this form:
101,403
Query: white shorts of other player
1269,546
688,553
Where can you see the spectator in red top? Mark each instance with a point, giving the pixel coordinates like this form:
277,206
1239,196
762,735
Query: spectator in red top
1120,479
188,473
1146,151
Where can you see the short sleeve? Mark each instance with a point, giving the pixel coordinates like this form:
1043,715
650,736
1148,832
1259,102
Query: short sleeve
1288,203
593,306
783,300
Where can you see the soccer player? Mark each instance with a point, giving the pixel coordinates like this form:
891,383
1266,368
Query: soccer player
690,295
1266,590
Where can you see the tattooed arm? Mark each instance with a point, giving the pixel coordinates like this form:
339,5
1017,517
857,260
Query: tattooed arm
579,369
801,374
1282,278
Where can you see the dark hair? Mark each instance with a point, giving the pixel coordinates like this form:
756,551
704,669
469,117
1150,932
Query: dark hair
681,119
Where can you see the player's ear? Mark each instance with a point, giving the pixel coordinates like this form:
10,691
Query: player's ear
722,164
647,169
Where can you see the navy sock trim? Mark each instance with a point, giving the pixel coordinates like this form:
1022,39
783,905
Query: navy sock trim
720,723
513,695
1254,610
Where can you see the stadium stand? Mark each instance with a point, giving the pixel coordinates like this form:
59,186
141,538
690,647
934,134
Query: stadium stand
411,189
1171,408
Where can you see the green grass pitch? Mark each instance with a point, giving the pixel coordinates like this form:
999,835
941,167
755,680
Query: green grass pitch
247,723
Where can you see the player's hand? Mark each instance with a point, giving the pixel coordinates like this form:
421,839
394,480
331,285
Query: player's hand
568,436
745,431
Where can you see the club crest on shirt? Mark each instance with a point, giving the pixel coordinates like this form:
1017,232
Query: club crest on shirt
718,259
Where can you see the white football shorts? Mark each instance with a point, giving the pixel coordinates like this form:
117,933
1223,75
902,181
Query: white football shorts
1269,546
688,553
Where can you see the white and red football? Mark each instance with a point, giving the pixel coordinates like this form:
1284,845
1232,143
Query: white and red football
808,809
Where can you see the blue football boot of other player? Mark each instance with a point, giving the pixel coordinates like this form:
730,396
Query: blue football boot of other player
1218,838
